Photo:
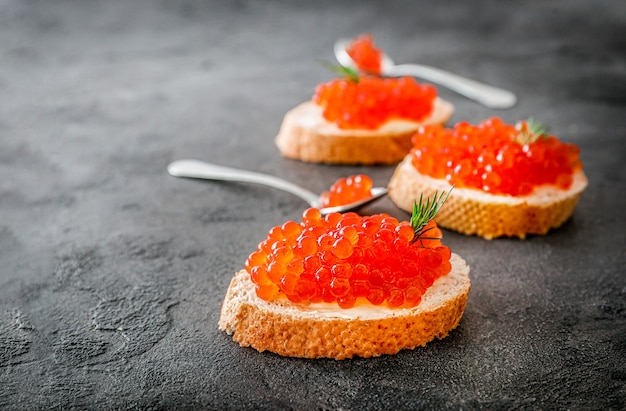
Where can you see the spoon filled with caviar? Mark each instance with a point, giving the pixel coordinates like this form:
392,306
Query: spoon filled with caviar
489,96
345,194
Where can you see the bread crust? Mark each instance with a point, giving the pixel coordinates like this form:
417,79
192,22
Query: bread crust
305,135
303,331
474,212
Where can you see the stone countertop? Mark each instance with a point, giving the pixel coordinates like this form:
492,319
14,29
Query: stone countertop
112,272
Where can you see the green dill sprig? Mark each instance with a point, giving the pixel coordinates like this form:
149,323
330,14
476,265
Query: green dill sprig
532,132
349,72
424,212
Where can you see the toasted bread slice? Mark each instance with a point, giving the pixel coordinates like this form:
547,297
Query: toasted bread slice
475,212
326,330
305,135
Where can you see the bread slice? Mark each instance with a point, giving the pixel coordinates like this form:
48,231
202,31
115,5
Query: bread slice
305,135
471,211
325,330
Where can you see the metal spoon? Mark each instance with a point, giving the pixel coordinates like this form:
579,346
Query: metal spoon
201,169
488,96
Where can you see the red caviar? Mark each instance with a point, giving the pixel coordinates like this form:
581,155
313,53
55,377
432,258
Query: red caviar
365,54
348,190
494,157
372,101
343,257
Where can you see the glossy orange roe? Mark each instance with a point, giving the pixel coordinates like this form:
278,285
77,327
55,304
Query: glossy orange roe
494,157
342,257
372,101
365,54
348,190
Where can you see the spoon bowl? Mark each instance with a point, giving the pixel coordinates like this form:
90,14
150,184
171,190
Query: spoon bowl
207,171
489,96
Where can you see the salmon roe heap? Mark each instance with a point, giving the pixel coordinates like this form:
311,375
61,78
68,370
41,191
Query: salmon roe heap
495,157
348,190
372,101
365,54
341,258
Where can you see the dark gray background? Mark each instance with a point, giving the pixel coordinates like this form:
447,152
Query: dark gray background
112,273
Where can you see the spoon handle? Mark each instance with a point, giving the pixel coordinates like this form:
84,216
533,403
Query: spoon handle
489,96
201,169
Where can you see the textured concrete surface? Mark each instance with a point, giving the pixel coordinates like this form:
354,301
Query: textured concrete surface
112,273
